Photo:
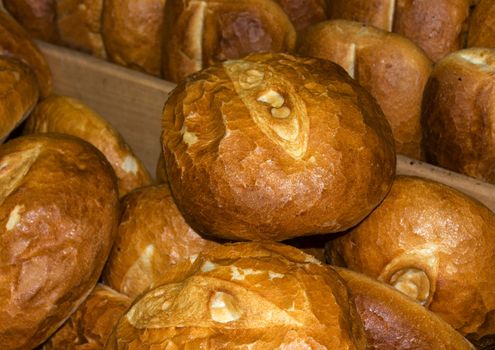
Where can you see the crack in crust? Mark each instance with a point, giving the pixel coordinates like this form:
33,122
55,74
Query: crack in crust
286,124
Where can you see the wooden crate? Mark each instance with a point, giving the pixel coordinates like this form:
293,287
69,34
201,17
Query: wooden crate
133,102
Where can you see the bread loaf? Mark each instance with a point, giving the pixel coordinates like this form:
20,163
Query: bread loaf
304,13
18,94
58,219
392,68
198,34
91,325
153,238
274,147
438,27
79,25
392,320
15,42
244,302
67,115
36,16
434,244
459,114
132,32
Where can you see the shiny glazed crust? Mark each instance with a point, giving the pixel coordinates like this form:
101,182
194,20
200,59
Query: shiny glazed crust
199,33
15,42
434,244
392,68
91,325
79,25
58,220
275,147
132,32
241,302
393,321
459,114
36,16
153,237
18,94
66,115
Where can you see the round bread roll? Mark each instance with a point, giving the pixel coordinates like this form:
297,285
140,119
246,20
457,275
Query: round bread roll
274,147
392,320
198,34
438,27
18,94
391,67
482,25
91,325
243,303
58,219
132,32
434,244
66,115
15,42
304,13
152,238
459,114
36,16
79,25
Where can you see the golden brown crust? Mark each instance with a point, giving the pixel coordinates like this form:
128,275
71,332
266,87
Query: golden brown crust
18,94
304,13
132,32
66,115
36,16
434,244
161,171
79,25
91,325
153,238
459,114
58,219
394,321
15,42
392,68
436,26
482,25
199,33
274,147
242,303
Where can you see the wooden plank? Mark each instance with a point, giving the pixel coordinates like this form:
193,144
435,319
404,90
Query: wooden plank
133,103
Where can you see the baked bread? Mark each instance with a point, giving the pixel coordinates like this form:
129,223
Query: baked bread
58,219
67,115
304,13
438,27
434,244
458,114
392,320
481,31
132,32
198,34
391,67
241,303
15,42
152,238
18,94
274,147
79,25
36,16
91,325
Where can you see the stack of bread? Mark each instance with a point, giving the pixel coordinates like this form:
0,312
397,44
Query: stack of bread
257,150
